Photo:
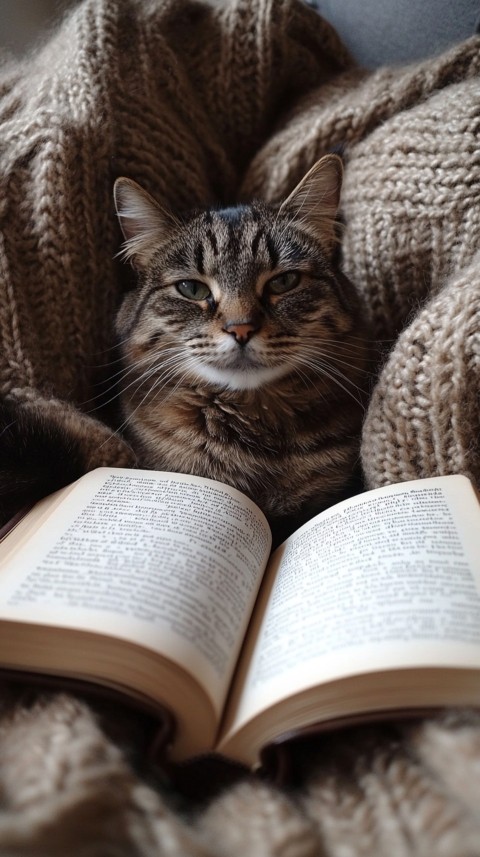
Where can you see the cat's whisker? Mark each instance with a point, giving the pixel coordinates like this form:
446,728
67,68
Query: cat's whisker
104,365
138,380
190,366
130,416
325,362
314,342
311,351
120,359
154,391
361,339
122,373
334,375
116,385
308,380
98,354
334,343
164,379
115,347
167,372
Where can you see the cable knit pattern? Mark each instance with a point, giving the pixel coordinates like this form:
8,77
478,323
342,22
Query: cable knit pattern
424,417
203,101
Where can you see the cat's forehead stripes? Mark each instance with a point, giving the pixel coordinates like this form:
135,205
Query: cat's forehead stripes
272,250
211,237
233,237
199,255
256,241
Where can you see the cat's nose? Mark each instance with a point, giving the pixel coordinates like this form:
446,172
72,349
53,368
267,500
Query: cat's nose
241,331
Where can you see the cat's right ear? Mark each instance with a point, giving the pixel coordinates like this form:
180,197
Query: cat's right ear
313,204
143,222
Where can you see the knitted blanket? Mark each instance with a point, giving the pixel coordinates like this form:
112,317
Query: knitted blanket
203,101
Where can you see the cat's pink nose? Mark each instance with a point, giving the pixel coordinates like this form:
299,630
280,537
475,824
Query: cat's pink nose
241,331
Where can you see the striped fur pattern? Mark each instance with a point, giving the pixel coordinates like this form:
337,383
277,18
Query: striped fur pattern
244,349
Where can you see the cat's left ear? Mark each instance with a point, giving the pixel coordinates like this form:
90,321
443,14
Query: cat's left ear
143,222
315,200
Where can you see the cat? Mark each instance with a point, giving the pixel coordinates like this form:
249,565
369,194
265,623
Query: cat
244,346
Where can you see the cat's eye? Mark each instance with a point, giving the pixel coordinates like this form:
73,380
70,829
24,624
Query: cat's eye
194,290
283,282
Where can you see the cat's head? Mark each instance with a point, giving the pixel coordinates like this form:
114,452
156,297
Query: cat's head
234,297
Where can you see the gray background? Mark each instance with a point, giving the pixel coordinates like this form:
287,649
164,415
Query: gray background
380,32
23,22
376,31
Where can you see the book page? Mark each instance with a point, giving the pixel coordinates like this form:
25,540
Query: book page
28,523
388,579
171,562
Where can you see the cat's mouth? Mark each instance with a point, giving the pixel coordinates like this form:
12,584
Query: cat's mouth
241,372
242,361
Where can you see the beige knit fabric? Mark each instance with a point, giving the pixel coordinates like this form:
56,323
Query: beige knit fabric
202,100
403,790
424,416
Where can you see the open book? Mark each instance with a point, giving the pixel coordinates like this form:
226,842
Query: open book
163,585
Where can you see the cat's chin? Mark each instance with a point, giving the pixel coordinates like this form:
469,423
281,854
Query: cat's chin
241,379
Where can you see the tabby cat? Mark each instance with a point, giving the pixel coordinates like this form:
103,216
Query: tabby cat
244,347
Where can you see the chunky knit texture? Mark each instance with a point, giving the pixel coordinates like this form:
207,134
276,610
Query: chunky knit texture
202,101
